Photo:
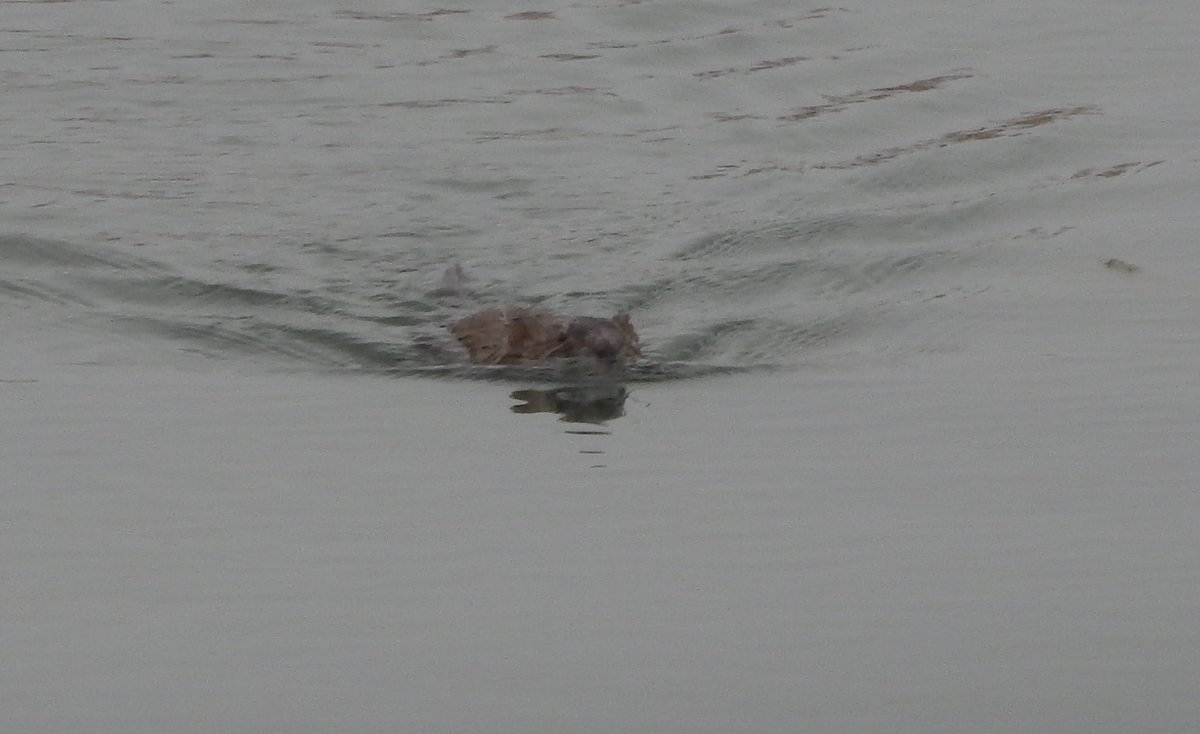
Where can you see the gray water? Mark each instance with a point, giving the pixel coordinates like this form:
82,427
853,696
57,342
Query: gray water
913,447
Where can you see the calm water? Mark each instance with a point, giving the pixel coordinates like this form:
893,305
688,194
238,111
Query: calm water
913,448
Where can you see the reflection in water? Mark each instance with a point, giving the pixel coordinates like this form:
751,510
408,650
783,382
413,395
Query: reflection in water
594,403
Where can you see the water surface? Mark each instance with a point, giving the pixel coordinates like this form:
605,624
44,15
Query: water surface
912,449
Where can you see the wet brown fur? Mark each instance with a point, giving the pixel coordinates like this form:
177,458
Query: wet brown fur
511,336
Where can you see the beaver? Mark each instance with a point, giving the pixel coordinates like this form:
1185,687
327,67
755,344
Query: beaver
520,335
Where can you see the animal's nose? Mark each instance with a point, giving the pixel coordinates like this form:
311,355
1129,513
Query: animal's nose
604,344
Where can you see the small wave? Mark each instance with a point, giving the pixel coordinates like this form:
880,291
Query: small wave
740,300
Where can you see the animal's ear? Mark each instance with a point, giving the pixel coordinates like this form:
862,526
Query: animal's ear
622,322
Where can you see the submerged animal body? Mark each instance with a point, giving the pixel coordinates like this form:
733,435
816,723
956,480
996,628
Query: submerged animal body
512,336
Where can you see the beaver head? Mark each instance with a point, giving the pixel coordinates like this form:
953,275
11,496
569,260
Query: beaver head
609,340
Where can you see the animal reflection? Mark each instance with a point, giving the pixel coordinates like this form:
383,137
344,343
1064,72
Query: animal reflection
580,404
